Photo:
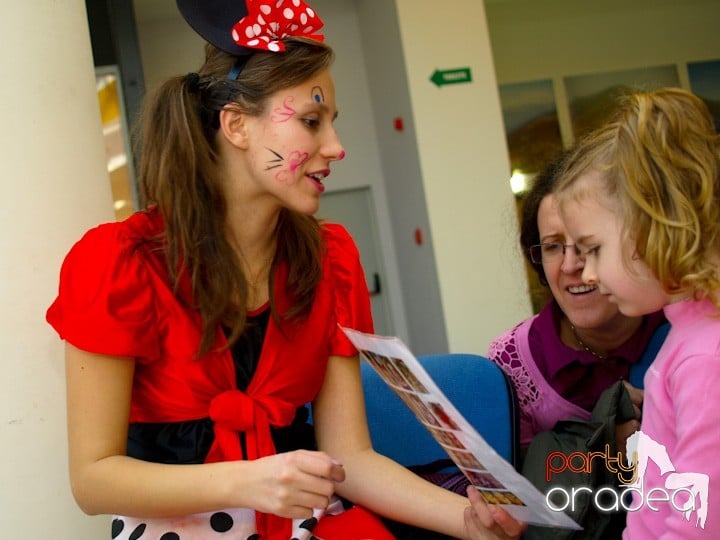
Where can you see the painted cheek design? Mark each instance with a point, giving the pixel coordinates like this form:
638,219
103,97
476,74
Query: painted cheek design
341,155
284,113
296,159
286,175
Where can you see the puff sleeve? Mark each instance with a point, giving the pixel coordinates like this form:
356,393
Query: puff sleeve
351,298
105,297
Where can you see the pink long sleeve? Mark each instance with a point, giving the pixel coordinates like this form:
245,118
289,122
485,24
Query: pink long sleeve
680,413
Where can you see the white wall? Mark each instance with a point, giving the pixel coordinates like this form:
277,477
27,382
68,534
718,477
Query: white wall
387,79
465,171
55,185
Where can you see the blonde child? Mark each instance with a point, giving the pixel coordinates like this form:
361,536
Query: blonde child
640,198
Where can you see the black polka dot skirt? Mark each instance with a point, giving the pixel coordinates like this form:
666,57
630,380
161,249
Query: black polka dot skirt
235,524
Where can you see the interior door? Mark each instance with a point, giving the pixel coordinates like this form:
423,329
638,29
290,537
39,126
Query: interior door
354,209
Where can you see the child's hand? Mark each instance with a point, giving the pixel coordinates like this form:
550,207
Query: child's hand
489,522
636,396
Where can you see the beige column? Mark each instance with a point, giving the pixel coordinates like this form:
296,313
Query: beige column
55,186
465,170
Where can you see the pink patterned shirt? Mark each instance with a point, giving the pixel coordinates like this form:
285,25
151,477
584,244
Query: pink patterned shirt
553,381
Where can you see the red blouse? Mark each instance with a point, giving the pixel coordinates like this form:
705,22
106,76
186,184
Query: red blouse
115,299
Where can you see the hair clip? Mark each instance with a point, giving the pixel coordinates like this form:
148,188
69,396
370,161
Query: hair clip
193,82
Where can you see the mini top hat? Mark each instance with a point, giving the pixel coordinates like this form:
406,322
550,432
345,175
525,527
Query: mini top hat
239,27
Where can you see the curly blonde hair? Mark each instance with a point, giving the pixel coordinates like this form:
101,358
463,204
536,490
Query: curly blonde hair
659,161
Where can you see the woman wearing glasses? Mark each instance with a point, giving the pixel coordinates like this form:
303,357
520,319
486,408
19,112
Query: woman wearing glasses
579,344
561,360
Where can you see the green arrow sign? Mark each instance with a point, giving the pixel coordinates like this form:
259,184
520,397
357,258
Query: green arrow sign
451,76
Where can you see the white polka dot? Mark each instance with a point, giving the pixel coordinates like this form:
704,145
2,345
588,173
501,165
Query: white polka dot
294,27
274,47
266,39
279,3
309,29
235,35
296,3
257,29
261,20
288,13
249,32
310,11
303,18
253,42
265,9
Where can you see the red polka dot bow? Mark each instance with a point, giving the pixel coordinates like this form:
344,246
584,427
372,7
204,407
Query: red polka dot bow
270,21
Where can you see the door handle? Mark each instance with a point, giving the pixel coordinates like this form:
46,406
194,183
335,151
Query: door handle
376,285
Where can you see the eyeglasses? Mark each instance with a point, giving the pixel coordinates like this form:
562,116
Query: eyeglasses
550,252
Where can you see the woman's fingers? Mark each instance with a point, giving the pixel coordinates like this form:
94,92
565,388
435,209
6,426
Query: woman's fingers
636,395
298,482
483,521
510,526
319,464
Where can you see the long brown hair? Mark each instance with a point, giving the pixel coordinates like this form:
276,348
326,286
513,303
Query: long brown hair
179,174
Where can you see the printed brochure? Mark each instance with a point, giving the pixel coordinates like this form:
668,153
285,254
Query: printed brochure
497,480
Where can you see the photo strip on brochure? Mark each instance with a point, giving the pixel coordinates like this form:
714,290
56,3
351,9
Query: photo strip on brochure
496,480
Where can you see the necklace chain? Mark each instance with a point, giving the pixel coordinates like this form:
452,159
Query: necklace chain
254,279
584,346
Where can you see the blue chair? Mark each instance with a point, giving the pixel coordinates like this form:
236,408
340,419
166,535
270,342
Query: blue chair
637,371
477,388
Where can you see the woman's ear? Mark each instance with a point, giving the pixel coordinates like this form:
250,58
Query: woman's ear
233,126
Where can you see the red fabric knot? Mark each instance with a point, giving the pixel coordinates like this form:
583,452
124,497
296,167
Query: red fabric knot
234,411
270,21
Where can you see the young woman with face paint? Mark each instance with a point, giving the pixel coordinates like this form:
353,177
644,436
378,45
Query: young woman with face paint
199,328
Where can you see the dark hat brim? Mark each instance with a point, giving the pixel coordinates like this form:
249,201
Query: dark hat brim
214,19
